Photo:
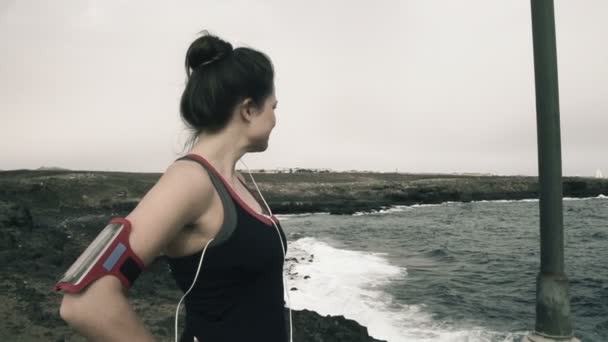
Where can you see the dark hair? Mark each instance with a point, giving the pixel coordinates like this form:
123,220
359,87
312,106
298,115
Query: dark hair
218,78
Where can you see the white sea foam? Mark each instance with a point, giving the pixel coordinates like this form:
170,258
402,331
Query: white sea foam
507,201
285,217
392,209
585,198
334,281
400,208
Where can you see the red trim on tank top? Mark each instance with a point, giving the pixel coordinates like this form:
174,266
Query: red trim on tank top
265,219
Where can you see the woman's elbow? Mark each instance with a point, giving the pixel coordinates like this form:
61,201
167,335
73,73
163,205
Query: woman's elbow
76,309
79,307
68,309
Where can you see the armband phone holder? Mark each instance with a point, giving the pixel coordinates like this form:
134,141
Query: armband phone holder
109,253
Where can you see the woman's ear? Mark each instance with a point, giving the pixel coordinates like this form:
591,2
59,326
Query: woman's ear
247,109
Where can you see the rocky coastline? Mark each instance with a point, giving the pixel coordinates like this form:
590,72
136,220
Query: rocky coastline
48,217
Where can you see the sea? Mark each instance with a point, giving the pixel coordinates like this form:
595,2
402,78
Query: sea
446,272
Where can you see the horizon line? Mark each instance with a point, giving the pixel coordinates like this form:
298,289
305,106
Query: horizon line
282,170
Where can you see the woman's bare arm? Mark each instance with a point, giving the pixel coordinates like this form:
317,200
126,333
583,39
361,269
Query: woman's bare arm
102,310
102,313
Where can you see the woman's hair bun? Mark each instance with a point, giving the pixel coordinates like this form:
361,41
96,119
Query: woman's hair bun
219,78
206,49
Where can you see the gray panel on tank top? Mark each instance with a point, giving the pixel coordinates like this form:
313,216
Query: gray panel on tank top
230,216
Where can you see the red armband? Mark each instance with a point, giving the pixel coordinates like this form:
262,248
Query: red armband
109,253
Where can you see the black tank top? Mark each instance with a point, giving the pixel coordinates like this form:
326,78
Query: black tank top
238,295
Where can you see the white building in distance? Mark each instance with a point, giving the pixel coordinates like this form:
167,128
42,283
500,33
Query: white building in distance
598,173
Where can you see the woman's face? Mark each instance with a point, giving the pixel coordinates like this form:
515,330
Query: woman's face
262,124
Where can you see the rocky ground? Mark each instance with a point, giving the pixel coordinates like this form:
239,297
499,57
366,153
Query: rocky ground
48,217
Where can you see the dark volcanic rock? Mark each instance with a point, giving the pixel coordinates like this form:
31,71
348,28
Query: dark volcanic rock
7,240
26,247
309,326
14,219
12,214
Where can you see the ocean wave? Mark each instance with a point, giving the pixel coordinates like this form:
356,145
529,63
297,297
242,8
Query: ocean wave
401,208
285,217
392,209
333,281
584,198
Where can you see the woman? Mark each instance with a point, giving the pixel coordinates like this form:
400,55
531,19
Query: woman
200,200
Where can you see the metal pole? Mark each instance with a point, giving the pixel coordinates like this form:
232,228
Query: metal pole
552,290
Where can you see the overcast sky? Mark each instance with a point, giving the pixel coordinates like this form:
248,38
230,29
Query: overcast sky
413,85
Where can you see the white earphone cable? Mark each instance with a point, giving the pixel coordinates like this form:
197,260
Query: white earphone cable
285,289
191,286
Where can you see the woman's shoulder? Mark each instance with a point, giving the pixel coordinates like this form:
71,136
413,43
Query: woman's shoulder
181,195
184,189
188,176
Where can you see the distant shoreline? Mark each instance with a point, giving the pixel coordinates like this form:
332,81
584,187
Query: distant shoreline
297,170
286,193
